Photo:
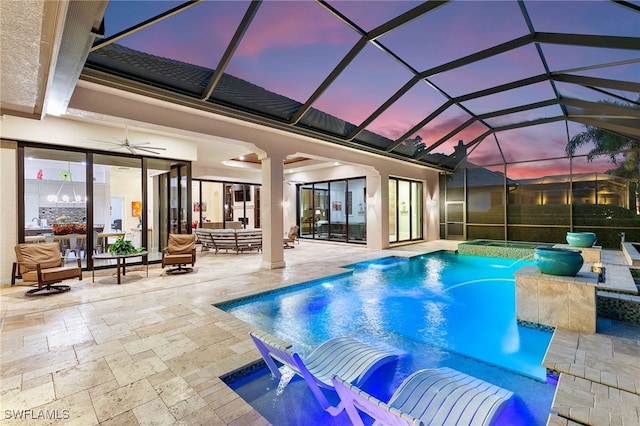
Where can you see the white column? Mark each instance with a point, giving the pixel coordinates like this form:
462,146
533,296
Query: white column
378,216
271,214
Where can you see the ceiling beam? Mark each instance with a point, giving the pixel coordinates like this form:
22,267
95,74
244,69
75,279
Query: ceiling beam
231,48
144,24
589,40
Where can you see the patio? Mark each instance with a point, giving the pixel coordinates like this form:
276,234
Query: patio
154,348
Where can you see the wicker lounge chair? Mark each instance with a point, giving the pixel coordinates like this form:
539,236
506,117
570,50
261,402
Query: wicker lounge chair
248,239
346,357
441,396
204,237
224,239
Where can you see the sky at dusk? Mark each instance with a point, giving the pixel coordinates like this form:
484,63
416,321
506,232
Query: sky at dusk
292,46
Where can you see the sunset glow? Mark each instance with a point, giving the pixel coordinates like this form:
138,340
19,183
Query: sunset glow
291,47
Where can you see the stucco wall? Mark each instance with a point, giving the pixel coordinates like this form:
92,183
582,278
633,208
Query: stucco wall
8,208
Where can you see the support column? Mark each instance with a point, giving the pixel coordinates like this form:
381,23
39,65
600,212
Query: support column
271,214
377,210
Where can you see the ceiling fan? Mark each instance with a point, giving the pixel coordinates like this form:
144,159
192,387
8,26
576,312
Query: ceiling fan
131,147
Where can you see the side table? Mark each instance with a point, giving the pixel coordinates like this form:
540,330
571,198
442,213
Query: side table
120,260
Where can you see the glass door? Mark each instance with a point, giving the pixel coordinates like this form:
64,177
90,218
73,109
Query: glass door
117,202
455,220
315,211
307,219
356,209
405,210
321,211
338,218
158,223
55,200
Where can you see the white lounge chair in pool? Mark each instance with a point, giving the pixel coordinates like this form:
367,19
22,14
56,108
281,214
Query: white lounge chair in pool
440,396
346,357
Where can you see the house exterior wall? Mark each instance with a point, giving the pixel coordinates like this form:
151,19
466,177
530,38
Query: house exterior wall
8,208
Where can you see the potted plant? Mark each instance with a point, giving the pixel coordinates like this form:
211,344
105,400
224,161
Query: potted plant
123,247
581,239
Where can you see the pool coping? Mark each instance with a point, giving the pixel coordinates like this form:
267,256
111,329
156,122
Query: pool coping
630,253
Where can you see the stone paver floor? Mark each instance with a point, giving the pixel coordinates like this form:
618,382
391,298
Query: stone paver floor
151,350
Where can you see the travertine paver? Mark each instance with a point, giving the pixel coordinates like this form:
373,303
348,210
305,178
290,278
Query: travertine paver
151,350
554,420
595,404
612,361
618,278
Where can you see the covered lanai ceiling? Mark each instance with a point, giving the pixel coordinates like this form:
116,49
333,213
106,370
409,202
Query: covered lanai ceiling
512,80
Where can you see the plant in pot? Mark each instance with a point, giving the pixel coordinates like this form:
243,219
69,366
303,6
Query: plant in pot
124,247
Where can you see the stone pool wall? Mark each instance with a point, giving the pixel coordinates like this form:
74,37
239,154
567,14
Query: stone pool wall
619,306
557,301
502,249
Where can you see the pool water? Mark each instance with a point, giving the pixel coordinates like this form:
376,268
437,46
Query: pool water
441,309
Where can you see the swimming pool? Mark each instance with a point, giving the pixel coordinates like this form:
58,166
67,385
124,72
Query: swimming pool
442,309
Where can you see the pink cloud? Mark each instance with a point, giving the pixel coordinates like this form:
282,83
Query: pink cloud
282,24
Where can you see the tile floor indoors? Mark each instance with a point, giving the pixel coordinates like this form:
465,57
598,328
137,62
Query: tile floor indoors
151,350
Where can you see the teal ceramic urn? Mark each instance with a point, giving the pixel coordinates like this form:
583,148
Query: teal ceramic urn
558,261
581,239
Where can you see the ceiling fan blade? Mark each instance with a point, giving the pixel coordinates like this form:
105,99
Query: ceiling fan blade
149,150
131,147
103,141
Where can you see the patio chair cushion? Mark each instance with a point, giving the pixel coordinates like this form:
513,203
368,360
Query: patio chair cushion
30,255
181,244
43,265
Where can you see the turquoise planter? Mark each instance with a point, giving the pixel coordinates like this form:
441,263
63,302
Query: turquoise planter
581,239
558,261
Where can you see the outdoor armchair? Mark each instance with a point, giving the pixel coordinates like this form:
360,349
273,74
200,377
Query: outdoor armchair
43,265
180,252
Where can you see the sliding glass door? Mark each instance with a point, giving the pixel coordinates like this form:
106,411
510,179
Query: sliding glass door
405,210
334,210
140,199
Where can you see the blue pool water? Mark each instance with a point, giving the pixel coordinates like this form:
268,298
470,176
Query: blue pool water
442,309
